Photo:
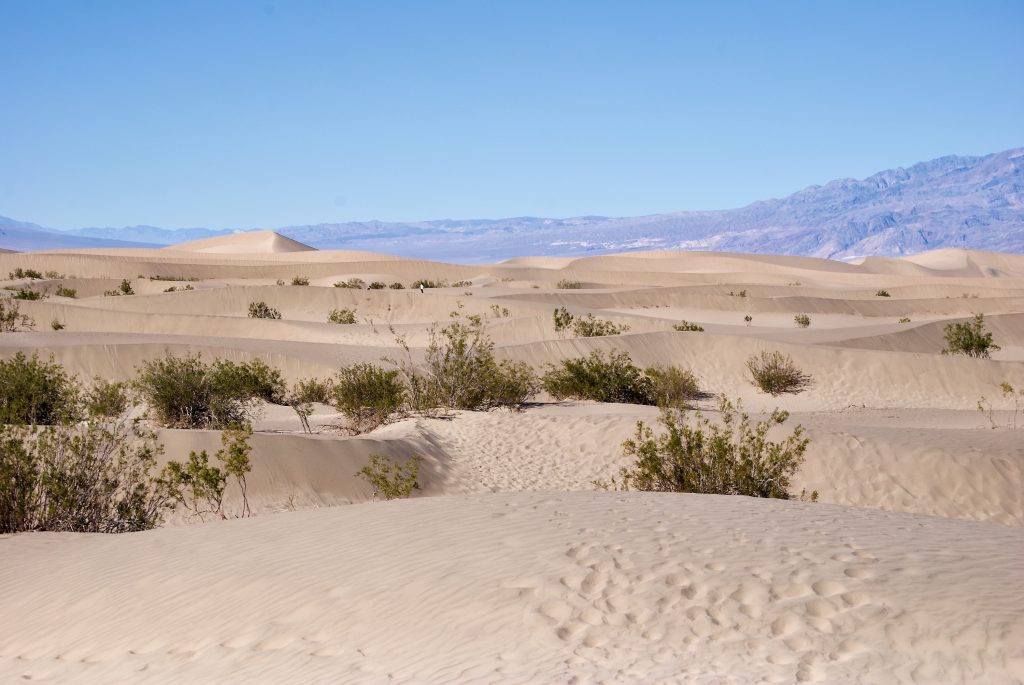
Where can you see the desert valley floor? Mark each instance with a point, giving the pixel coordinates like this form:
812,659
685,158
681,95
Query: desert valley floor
510,565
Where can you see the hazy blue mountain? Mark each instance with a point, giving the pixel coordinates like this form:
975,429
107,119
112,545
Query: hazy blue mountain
974,202
21,236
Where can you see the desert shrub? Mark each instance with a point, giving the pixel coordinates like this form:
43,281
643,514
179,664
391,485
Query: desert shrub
511,385
673,386
612,378
368,396
734,458
346,316
904,319
26,294
186,392
462,284
107,399
748,318
56,325
391,481
970,338
300,280
11,318
566,284
24,273
125,288
172,278
686,326
500,312
279,281
882,293
562,319
199,487
354,283
176,289
1009,393
54,274
802,320
588,326
66,292
33,392
776,374
427,283
92,477
377,285
261,310
397,286
304,394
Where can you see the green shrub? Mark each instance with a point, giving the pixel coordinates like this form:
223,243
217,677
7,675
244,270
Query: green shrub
124,289
377,285
391,481
396,286
307,392
185,392
734,458
882,293
427,283
66,292
604,379
300,280
802,320
566,284
354,283
462,284
905,319
107,399
56,325
173,278
368,396
260,310
686,326
93,477
11,318
199,487
776,374
24,273
36,392
26,294
673,386
346,316
54,274
969,338
176,289
588,326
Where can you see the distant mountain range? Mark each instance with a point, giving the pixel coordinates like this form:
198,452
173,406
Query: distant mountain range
973,202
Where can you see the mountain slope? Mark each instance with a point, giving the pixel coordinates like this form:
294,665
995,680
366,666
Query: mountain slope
971,202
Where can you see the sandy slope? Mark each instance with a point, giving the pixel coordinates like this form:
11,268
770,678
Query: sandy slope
509,566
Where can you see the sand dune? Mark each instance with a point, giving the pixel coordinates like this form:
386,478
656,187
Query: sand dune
509,566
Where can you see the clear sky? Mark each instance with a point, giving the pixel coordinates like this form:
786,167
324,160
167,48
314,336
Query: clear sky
269,113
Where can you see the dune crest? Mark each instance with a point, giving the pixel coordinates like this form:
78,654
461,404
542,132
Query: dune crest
249,242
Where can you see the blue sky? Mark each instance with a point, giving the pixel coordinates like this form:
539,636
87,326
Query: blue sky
264,114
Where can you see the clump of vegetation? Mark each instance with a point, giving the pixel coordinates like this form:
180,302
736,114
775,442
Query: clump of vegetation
686,326
279,281
66,292
673,386
36,392
427,283
396,286
462,284
300,280
107,399
345,316
970,338
173,278
391,481
54,274
777,374
186,392
11,318
176,289
353,283
742,293
56,325
261,310
566,284
304,394
368,396
199,486
377,285
748,318
20,273
904,319
882,293
588,326
802,320
734,458
500,312
611,378
1008,393
125,288
27,294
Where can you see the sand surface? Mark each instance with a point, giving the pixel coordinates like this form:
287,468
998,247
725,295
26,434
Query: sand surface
509,566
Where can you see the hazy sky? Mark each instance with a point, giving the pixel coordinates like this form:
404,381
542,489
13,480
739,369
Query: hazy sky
266,113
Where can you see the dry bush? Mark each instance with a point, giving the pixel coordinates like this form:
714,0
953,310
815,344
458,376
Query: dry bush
20,273
687,327
66,292
11,318
300,280
776,374
566,284
802,320
377,285
342,316
261,310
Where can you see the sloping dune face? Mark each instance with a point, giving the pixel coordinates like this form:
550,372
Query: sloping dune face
509,564
254,242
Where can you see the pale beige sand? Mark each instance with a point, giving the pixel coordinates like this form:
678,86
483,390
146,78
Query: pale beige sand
464,583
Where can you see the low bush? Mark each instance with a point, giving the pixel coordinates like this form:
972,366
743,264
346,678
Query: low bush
566,284
368,396
748,318
107,399
346,316
377,285
673,386
56,325
904,319
588,326
353,283
125,288
391,481
199,487
970,338
300,280
802,320
686,326
304,394
462,284
734,458
176,289
396,286
26,294
34,392
427,283
20,273
776,374
66,292
500,312
261,310
611,378
882,293
11,318
255,379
